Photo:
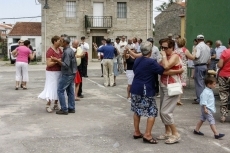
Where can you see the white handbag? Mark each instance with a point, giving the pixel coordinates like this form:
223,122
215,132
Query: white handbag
174,88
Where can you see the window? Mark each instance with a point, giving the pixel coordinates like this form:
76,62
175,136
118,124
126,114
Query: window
32,41
121,10
71,9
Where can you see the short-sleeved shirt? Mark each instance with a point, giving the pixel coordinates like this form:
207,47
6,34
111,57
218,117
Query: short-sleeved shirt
23,54
202,53
207,99
50,52
225,71
144,72
219,51
108,51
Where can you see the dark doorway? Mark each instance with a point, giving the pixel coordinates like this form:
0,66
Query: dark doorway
97,40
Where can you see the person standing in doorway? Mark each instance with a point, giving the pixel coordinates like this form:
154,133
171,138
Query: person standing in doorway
202,57
85,48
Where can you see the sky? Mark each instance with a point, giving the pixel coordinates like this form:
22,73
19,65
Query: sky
31,8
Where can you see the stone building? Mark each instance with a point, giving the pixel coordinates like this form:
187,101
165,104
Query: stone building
96,19
169,21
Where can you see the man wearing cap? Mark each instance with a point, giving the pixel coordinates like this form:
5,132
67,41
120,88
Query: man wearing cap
200,64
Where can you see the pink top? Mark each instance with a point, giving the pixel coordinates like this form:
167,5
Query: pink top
23,54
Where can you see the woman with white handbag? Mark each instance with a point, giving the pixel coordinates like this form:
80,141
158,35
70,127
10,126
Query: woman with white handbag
170,90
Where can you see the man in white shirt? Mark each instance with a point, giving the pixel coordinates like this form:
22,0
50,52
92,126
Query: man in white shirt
200,63
85,48
219,49
121,61
135,42
157,56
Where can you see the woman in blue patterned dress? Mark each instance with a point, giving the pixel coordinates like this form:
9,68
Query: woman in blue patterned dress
142,92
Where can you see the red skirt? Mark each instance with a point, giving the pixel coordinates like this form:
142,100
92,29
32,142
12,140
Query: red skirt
77,78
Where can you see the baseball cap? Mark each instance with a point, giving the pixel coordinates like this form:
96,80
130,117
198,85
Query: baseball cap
170,35
200,37
150,40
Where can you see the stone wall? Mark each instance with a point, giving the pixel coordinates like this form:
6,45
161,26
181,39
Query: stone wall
168,22
54,21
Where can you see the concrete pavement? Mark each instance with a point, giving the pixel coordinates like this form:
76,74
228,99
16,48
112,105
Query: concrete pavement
102,122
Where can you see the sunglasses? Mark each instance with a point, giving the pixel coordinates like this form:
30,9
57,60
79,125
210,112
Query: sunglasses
164,48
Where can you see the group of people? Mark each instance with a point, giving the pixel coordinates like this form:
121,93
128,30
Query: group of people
171,64
149,72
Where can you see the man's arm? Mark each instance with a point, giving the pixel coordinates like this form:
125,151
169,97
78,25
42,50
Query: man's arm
197,52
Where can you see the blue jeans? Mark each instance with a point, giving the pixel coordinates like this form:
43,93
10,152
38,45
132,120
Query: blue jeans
66,83
200,72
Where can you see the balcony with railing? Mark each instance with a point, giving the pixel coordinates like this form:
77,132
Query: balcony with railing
98,22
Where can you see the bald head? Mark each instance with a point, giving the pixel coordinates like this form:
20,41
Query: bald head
75,43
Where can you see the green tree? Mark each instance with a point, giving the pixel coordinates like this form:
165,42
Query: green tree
165,5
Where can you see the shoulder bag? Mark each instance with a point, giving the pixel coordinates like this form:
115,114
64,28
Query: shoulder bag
174,88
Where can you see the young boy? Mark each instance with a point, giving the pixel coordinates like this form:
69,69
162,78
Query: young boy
207,102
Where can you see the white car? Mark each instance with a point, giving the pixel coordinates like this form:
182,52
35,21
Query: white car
12,47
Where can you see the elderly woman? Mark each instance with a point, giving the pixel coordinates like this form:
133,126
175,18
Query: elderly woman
170,61
22,53
184,55
53,71
143,92
224,83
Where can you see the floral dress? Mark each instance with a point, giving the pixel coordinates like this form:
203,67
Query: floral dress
181,53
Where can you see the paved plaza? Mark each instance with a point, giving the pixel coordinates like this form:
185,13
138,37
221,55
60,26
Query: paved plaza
102,123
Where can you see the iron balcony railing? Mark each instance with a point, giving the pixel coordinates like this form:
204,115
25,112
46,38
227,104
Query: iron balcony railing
98,21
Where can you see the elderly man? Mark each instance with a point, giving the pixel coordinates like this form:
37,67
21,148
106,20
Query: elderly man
157,56
200,63
219,49
66,82
108,51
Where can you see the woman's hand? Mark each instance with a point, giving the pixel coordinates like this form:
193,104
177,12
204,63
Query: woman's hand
163,53
181,71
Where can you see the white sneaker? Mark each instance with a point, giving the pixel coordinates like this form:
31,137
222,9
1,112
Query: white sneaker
158,96
129,100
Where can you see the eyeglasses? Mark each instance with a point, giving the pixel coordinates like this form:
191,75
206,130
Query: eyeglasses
164,48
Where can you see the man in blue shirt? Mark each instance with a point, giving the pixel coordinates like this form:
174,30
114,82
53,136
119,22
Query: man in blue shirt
108,51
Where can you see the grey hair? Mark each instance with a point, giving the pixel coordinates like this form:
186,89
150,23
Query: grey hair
219,42
67,39
146,48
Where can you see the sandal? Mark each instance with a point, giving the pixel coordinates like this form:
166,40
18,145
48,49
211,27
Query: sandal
77,99
48,109
163,136
56,107
137,137
179,103
24,87
151,141
172,139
